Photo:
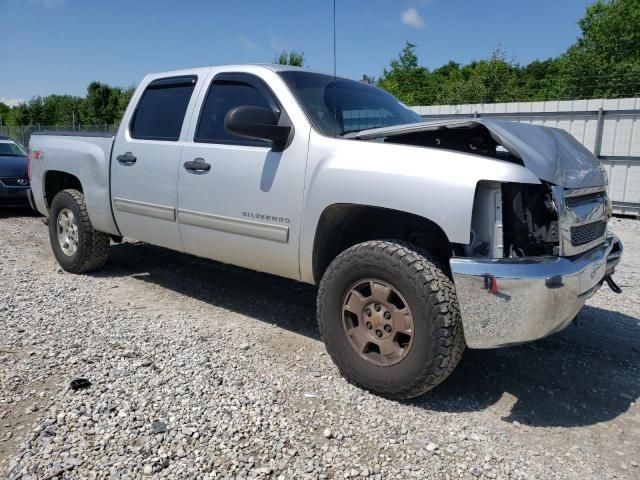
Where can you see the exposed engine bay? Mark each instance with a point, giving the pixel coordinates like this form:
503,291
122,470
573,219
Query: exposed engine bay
513,220
530,220
474,139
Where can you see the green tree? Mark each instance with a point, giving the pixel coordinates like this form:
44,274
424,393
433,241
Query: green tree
102,105
124,97
493,80
35,113
5,113
406,79
292,57
605,61
62,109
19,114
99,106
540,80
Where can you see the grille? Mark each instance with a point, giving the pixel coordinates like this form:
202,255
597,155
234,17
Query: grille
573,202
13,181
587,233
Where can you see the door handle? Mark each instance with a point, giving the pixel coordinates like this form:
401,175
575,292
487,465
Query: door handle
127,159
197,165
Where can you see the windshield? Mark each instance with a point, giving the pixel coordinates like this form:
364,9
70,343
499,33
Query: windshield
12,149
337,106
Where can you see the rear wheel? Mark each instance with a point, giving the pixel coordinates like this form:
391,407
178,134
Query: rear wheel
389,317
77,246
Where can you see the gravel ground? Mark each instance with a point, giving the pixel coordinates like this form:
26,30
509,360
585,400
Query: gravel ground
200,370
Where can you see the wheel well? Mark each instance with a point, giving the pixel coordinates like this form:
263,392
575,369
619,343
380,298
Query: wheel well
56,181
343,225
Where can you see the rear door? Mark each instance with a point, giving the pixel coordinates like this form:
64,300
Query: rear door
145,159
245,208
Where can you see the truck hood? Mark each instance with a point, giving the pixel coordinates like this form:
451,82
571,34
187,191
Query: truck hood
552,154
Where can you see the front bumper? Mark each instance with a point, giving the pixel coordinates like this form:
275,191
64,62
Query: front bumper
516,300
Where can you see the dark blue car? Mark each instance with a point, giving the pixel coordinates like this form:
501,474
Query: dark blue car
14,179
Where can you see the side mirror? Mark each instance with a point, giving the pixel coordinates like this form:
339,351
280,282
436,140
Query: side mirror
256,122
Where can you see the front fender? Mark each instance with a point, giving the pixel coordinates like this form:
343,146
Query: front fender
435,184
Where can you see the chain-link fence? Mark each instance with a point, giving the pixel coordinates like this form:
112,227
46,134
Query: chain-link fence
22,133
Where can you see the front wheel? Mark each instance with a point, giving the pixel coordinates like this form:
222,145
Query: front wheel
77,246
389,317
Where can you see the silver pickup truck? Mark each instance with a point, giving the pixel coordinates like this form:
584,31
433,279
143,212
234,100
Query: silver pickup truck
424,237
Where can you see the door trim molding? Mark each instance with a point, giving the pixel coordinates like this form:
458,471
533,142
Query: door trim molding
153,210
248,228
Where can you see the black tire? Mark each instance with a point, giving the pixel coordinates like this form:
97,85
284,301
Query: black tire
93,246
438,341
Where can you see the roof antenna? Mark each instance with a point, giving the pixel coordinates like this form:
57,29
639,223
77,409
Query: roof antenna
334,39
333,89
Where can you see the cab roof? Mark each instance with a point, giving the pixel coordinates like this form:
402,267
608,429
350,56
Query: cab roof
274,67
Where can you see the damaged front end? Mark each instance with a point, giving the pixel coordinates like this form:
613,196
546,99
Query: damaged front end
513,220
536,252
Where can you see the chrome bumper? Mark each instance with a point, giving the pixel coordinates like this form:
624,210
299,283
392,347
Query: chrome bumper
516,300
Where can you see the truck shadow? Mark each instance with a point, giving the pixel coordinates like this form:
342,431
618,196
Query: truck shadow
17,211
268,298
582,376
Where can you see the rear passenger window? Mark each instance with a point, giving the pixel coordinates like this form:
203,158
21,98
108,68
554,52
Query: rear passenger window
222,97
161,109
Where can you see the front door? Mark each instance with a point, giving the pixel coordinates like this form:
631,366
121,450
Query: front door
144,167
239,201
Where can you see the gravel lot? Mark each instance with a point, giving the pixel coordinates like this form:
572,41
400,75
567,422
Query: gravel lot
199,370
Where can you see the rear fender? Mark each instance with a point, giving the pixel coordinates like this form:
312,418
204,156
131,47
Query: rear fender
87,159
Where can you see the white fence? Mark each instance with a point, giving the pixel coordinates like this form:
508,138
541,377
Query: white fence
610,128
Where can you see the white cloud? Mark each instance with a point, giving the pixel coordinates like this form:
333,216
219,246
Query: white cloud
12,102
246,43
412,17
48,4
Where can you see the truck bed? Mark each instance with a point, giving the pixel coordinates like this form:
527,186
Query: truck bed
71,133
85,155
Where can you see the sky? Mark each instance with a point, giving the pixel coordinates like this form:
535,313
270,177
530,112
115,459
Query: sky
59,46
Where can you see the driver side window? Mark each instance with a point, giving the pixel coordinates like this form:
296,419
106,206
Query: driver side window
224,95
